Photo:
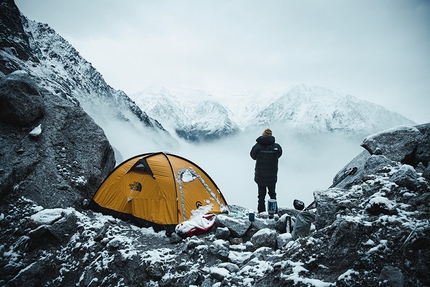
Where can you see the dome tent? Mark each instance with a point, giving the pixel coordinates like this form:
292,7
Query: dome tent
157,189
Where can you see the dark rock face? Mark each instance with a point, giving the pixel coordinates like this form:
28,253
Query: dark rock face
406,176
62,160
20,101
423,150
393,276
12,35
426,173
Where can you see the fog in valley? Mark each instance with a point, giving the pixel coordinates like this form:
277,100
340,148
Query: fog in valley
308,163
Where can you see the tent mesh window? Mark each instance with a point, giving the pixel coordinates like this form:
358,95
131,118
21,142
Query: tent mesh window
142,167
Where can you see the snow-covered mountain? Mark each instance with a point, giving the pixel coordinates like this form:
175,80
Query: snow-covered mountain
302,108
192,114
319,110
58,68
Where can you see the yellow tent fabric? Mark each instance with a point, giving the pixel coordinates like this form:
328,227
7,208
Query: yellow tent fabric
159,190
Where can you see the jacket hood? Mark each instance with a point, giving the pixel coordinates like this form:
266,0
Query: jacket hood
266,140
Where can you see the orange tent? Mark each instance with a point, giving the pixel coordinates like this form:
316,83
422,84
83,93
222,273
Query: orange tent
159,190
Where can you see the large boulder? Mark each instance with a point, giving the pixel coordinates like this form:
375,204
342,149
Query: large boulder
408,145
24,105
400,144
51,151
361,166
328,206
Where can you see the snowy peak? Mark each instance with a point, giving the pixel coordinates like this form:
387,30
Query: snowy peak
193,114
303,109
319,110
300,105
159,102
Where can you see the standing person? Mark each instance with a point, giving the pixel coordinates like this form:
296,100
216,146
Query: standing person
266,153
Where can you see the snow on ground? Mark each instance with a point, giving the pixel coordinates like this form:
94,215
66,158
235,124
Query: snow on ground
100,248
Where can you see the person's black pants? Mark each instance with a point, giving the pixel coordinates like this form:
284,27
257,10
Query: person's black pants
262,190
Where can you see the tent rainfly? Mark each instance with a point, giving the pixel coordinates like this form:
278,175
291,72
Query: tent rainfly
158,190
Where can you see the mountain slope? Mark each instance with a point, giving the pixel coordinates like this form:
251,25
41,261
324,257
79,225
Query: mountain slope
57,67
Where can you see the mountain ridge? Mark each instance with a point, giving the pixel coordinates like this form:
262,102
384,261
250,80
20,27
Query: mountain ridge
56,66
302,108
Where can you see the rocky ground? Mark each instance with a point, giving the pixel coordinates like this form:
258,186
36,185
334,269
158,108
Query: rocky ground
372,230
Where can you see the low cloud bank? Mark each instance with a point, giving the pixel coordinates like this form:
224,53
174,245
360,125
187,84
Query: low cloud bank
308,162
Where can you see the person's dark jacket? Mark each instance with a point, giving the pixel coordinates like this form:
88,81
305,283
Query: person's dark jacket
266,153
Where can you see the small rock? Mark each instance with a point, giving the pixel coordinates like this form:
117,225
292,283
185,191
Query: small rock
114,243
233,268
265,238
393,276
406,176
36,131
219,273
381,205
283,239
222,233
237,226
175,238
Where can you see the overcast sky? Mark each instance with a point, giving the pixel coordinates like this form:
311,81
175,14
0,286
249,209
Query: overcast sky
376,50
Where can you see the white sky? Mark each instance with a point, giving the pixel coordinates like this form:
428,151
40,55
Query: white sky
376,50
